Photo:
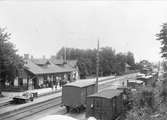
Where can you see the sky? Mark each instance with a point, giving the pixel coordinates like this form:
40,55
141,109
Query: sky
43,27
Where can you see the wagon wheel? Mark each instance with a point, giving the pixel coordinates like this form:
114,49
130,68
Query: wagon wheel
67,109
78,109
31,99
82,108
26,100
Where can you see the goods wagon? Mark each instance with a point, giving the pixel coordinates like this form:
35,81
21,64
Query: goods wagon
105,105
147,79
74,94
134,83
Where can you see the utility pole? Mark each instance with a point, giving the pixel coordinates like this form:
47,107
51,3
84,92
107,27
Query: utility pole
65,55
97,65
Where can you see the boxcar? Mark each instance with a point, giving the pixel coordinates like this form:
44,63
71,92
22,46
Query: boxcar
146,79
134,83
74,94
105,105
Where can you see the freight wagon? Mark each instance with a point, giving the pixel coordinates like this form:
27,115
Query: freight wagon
105,105
146,79
74,94
133,84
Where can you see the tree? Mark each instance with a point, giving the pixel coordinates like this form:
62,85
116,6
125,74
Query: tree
107,61
83,71
110,62
121,61
162,37
10,62
130,59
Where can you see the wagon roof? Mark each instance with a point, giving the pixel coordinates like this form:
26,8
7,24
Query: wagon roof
108,93
81,83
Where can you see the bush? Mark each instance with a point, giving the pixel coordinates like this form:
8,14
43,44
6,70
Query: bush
146,97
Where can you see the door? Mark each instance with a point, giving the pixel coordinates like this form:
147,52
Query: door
98,112
35,83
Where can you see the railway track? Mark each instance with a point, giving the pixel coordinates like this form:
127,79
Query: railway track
5,104
28,111
31,110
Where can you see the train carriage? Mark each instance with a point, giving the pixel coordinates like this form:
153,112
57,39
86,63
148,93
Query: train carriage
105,105
74,94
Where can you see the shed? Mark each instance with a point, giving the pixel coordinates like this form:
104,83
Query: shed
74,94
105,105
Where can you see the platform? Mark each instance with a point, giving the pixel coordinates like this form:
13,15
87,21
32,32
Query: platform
8,96
37,100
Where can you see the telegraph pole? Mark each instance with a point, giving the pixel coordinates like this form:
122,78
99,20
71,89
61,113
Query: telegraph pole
65,55
97,65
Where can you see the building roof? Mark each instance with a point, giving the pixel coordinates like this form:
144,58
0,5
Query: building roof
148,76
72,63
107,93
127,65
40,61
66,66
30,66
81,83
47,69
135,81
56,61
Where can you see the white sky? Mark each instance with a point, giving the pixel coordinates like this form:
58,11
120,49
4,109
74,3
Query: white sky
43,27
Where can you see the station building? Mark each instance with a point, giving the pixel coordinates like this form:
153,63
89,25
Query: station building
44,73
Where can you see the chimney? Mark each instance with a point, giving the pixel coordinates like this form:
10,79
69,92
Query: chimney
26,56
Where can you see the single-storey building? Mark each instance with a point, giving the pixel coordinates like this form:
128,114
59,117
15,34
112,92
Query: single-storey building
44,73
128,68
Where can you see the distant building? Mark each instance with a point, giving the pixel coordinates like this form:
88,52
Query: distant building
128,68
147,67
